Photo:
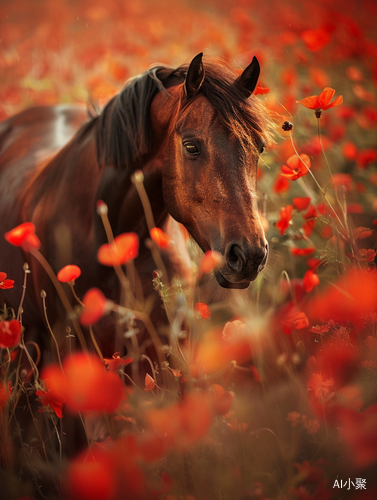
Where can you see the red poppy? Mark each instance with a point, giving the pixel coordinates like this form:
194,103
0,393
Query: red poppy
149,383
281,184
301,321
366,157
10,333
211,260
69,273
297,166
301,203
5,284
23,236
320,329
322,102
203,310
95,305
116,362
367,255
54,400
161,239
310,281
4,395
315,39
124,248
285,216
302,251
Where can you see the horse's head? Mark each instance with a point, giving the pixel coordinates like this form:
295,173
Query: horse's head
210,166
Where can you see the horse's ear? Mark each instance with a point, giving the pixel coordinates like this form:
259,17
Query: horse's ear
195,75
249,77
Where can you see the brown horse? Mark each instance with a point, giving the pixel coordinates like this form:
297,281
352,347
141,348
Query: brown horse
196,132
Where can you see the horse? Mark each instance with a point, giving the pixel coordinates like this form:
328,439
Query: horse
195,132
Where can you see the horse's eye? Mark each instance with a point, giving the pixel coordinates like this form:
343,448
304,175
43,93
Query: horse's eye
191,149
261,149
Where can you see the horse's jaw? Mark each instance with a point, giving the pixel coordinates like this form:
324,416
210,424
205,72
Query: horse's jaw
223,282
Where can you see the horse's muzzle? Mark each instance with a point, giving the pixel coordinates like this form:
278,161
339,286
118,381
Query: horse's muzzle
242,266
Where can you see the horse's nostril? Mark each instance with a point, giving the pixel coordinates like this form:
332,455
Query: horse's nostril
235,258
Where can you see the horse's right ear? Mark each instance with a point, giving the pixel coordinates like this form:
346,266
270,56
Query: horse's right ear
249,77
195,76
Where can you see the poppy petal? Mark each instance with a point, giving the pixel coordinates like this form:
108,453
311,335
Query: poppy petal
336,102
325,96
311,102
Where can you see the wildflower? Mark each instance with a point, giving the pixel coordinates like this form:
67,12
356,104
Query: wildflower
23,236
10,333
211,260
297,166
5,284
301,203
301,321
299,252
285,217
95,306
150,383
161,239
116,362
51,399
124,248
69,273
4,395
203,310
321,102
320,329
310,280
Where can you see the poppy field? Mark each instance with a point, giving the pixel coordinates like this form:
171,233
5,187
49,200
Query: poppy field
268,393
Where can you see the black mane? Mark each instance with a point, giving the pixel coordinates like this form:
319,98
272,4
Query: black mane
124,128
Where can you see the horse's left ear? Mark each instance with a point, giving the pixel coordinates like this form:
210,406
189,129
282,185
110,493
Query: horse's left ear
249,77
195,75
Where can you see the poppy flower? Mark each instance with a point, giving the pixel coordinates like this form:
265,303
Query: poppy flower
10,333
285,217
322,102
161,239
301,203
301,321
150,383
300,252
23,236
124,248
95,305
53,400
5,284
211,260
116,362
68,273
4,395
310,281
297,166
203,310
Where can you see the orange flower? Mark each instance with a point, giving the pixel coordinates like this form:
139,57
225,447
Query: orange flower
124,248
297,166
116,362
150,383
69,273
23,236
10,333
211,260
4,283
285,217
95,304
322,102
301,321
161,239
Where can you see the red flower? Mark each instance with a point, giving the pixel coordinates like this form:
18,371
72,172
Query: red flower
366,157
161,239
281,184
315,39
211,260
52,399
322,102
23,236
285,217
116,362
69,273
301,321
203,310
10,333
124,248
4,283
310,281
85,385
4,395
301,203
95,304
302,251
297,166
150,383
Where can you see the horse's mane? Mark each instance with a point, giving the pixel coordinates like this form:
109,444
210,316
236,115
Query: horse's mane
123,134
